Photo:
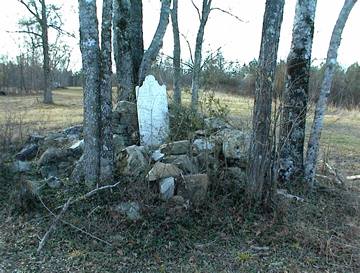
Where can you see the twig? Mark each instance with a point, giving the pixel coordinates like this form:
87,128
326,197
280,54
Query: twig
353,177
231,14
91,193
73,226
53,225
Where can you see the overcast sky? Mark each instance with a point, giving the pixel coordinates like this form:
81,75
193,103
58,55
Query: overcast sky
239,41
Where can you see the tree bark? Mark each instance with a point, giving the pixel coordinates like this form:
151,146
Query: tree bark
260,186
176,53
313,145
123,52
90,51
156,43
45,44
106,135
195,81
295,97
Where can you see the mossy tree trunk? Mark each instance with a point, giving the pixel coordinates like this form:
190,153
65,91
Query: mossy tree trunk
295,96
259,183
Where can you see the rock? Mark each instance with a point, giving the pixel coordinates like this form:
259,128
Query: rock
203,144
125,123
234,179
77,148
153,113
74,130
48,171
129,209
194,188
22,166
162,170
77,174
215,124
119,143
167,188
35,139
57,140
29,152
183,162
177,200
235,144
53,182
157,155
53,155
132,161
176,148
205,161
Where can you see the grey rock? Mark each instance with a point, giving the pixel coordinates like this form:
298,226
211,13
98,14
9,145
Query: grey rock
29,152
53,182
132,161
162,170
203,144
119,143
129,209
214,123
35,139
167,188
74,130
157,155
22,166
235,144
183,162
194,188
53,155
77,148
77,174
176,147
125,122
48,171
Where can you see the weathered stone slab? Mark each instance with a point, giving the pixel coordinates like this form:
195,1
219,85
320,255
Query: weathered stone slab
152,109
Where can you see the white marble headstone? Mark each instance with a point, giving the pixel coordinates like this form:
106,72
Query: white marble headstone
152,109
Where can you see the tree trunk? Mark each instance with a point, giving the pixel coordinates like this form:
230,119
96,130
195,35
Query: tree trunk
106,135
295,97
260,184
123,50
89,45
45,45
136,37
176,53
195,82
156,43
313,145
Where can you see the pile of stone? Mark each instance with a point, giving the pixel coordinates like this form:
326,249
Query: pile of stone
181,170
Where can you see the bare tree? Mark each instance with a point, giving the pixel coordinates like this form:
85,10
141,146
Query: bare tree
295,96
260,186
313,145
43,17
132,64
195,82
156,43
90,51
176,53
106,135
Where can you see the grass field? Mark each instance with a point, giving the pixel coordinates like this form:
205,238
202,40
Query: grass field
321,234
340,138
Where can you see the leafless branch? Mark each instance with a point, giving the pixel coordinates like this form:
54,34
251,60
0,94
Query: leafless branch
26,32
34,13
197,9
231,14
189,47
53,225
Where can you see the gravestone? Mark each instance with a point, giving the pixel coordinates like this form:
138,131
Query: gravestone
152,108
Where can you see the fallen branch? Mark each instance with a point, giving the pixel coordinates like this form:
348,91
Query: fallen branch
73,226
353,177
91,193
53,225
284,193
